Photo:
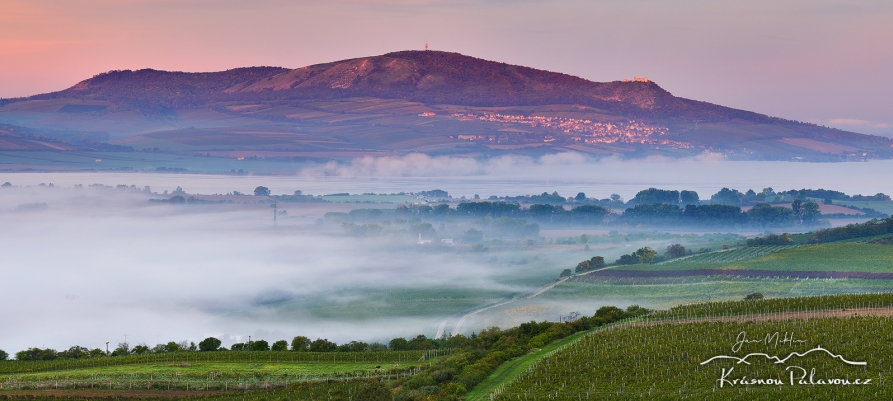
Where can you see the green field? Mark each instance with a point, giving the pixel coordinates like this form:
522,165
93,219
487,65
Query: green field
877,300
883,207
844,257
181,359
516,272
203,371
224,370
508,371
722,257
663,355
678,291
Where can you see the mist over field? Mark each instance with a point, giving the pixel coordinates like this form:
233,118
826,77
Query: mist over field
85,266
567,173
100,262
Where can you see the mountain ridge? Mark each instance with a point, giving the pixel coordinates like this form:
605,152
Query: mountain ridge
421,101
424,76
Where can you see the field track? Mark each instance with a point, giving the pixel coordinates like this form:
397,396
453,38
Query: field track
534,294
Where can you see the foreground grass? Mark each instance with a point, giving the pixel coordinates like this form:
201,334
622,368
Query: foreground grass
231,370
664,361
510,370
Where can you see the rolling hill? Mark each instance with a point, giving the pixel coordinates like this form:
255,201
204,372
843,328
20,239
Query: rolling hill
418,101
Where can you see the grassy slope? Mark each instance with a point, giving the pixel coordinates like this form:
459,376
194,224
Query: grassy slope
630,361
511,369
838,257
883,207
850,257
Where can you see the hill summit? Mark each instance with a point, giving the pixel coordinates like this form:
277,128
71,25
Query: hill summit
421,76
422,101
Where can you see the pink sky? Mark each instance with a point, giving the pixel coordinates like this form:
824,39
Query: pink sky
827,62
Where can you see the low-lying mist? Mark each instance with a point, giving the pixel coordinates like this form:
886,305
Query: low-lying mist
87,265
567,173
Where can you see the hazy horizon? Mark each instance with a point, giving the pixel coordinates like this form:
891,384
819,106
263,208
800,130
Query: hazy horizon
566,173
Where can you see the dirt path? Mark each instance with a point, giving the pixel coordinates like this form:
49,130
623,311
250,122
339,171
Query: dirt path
534,294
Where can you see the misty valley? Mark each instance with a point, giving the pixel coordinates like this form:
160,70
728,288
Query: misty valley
179,266
385,200
173,289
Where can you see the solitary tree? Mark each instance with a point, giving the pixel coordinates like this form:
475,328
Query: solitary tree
3,355
645,254
262,191
675,250
565,273
280,345
810,213
797,207
209,344
300,343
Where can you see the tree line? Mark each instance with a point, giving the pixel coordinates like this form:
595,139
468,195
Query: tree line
871,228
761,215
211,344
652,214
643,255
724,196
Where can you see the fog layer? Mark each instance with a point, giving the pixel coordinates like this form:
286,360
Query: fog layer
511,175
94,265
